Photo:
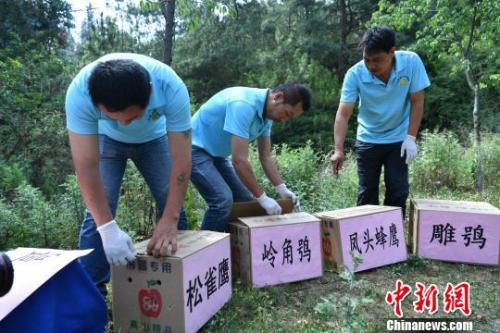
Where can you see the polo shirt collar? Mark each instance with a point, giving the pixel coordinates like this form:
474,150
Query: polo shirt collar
155,100
263,111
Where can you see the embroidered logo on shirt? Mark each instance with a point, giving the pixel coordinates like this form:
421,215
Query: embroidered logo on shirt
153,115
403,80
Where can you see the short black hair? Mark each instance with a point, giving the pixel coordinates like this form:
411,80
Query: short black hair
378,39
295,93
118,84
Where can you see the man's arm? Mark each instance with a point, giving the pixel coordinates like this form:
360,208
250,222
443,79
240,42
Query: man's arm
271,170
85,152
165,233
342,117
244,170
118,246
416,112
239,151
267,160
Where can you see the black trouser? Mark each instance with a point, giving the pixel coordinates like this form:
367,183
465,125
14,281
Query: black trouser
371,157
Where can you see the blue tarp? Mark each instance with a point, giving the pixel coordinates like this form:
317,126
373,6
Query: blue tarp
68,302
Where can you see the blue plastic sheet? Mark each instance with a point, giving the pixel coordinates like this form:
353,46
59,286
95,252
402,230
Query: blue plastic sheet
68,302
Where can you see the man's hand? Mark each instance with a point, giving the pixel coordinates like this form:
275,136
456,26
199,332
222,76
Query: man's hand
285,193
409,147
269,204
164,237
337,160
118,246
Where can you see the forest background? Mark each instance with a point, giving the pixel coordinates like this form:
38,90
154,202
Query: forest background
216,44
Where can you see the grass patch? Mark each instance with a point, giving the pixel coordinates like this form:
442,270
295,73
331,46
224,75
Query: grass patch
336,304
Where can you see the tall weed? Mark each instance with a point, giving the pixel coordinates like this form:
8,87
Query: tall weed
442,163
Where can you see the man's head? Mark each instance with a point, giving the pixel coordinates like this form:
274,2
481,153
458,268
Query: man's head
378,46
287,101
120,89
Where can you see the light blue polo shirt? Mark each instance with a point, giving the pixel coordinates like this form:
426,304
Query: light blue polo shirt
168,108
233,111
384,109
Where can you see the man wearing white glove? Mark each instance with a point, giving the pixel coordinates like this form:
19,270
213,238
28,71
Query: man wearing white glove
224,126
120,107
390,86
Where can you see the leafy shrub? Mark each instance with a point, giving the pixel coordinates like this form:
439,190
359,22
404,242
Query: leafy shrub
137,209
11,176
309,176
442,162
11,228
490,156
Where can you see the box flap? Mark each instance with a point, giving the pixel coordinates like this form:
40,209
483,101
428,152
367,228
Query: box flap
32,268
252,208
353,212
188,242
455,206
274,220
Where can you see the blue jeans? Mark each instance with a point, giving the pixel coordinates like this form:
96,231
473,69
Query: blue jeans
371,157
152,159
220,186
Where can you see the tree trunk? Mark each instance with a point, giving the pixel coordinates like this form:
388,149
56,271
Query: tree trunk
477,141
477,132
344,31
168,11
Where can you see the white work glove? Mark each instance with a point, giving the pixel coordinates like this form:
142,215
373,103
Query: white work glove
269,204
409,147
285,193
117,244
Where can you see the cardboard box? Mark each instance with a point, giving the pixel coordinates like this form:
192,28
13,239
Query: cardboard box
253,208
458,231
178,293
373,232
274,249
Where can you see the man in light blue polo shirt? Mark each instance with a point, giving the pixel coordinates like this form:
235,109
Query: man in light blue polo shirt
390,86
224,126
121,107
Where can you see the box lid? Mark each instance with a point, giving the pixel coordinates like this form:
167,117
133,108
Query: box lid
253,208
455,206
274,220
188,242
354,212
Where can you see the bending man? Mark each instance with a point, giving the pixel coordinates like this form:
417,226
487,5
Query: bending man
120,107
224,126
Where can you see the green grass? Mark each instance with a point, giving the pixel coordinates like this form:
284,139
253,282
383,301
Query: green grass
330,304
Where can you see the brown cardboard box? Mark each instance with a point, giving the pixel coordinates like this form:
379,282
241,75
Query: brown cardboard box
374,233
239,236
253,208
268,250
457,231
176,293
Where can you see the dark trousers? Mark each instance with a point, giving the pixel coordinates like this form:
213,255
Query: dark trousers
371,157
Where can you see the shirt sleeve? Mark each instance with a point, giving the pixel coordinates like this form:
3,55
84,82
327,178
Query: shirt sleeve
350,89
179,111
420,80
81,116
239,118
